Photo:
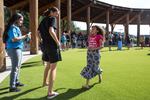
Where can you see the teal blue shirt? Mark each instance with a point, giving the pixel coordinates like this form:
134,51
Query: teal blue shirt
14,32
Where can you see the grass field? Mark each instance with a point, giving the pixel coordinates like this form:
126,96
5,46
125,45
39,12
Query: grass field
126,76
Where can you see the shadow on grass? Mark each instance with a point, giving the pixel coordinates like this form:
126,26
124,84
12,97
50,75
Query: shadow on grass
31,64
42,98
148,54
1,89
17,95
69,94
5,91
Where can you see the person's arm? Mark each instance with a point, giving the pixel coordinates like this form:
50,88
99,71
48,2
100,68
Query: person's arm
102,45
53,34
39,36
15,39
14,32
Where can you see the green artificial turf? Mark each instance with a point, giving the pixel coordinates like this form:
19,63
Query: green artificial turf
126,76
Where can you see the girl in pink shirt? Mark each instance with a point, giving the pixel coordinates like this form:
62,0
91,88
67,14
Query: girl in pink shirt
95,43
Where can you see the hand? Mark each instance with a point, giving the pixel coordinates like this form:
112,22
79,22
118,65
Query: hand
59,44
28,35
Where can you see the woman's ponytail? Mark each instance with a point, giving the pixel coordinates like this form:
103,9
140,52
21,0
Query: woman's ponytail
49,10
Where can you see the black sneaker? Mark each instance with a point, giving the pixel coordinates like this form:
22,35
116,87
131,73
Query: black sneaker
19,84
14,90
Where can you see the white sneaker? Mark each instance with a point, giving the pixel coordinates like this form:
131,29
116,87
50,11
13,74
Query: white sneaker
53,95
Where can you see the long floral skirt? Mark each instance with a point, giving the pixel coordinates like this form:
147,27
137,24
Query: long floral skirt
92,69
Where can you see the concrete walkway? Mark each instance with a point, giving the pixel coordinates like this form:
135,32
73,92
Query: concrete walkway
26,56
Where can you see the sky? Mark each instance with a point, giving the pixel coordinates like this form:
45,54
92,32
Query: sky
129,3
144,29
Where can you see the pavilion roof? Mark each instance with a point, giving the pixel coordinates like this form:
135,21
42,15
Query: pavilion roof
79,11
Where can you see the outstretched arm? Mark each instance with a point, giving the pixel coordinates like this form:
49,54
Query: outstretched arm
20,38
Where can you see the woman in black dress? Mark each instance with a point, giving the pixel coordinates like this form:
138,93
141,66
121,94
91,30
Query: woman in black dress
50,47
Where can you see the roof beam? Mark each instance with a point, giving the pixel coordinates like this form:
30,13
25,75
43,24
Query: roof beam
98,16
18,5
82,2
79,10
119,19
134,17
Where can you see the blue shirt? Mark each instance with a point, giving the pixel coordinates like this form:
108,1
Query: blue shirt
14,32
63,39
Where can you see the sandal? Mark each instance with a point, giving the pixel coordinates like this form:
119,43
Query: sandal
86,86
45,85
52,95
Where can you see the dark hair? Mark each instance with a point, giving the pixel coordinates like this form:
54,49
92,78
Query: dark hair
99,29
11,21
49,10
65,31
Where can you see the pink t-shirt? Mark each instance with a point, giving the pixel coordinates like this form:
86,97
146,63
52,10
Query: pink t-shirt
94,41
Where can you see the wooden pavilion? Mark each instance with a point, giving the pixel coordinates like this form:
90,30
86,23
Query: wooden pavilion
89,11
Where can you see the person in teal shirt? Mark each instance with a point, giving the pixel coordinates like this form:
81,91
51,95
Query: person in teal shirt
13,39
14,32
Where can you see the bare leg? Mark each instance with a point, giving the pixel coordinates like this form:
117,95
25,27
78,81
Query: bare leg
52,77
100,78
86,84
46,72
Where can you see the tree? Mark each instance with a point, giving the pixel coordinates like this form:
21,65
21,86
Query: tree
73,26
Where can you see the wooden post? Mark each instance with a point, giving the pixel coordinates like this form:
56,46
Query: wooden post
12,11
63,25
33,26
112,27
107,22
69,16
88,19
138,30
58,4
127,26
2,48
